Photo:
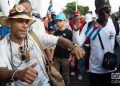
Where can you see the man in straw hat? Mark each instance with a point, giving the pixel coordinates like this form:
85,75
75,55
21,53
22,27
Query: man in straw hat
21,61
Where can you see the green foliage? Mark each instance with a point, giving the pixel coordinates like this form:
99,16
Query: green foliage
70,8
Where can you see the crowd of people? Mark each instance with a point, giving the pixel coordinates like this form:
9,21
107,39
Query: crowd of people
72,45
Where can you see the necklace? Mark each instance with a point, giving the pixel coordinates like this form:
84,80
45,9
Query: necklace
24,53
12,63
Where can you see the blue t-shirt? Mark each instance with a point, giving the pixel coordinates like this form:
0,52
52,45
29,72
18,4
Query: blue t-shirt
4,31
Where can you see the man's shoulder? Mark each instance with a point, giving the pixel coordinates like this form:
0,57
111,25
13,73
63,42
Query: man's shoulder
37,22
4,41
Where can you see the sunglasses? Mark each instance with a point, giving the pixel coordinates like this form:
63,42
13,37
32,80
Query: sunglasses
22,53
104,11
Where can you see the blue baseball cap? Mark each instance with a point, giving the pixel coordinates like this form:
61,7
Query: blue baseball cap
60,16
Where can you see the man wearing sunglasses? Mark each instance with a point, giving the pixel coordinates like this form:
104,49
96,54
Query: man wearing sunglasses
103,26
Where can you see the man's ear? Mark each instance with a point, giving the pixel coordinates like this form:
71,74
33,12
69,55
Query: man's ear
96,11
9,23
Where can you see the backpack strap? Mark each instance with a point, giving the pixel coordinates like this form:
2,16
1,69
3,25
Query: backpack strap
89,24
116,25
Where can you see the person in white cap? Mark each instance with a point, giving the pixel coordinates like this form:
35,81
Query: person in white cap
88,17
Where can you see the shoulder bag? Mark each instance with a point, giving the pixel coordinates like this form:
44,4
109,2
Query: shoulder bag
55,77
109,59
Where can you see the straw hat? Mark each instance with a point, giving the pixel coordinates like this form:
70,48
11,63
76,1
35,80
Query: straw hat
18,11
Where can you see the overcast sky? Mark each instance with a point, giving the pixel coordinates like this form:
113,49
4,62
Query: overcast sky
41,6
114,3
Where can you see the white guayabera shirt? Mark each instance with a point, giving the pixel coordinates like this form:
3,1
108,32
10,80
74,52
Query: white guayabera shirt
35,54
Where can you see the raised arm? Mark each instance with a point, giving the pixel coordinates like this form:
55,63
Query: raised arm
76,51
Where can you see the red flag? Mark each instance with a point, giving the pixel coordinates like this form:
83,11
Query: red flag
96,25
82,25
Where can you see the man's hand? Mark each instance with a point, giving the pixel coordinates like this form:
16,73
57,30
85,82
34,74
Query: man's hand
77,52
28,74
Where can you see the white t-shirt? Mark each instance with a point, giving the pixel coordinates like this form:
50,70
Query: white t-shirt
35,55
96,55
47,40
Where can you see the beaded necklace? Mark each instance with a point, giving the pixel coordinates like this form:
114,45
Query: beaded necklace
24,53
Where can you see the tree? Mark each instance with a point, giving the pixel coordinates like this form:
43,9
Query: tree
70,8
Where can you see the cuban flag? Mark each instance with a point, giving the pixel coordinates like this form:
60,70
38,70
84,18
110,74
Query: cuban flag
50,7
93,30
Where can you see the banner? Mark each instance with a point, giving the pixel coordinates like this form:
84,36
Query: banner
49,8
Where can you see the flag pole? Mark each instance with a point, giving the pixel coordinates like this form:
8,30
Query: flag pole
76,5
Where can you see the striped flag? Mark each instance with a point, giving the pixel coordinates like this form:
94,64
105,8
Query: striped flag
93,30
82,25
50,8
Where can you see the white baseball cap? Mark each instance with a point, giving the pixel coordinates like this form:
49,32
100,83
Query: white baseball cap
88,17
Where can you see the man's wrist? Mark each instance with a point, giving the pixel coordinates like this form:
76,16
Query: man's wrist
14,76
72,46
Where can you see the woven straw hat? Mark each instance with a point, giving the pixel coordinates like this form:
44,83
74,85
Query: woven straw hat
17,12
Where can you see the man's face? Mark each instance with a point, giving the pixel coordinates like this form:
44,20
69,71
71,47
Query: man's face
19,28
104,13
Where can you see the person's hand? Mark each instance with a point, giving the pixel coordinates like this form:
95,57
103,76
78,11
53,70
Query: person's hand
77,52
76,25
71,60
28,74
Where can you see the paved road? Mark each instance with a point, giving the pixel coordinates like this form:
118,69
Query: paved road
76,82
